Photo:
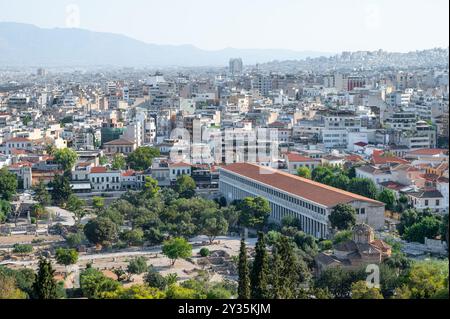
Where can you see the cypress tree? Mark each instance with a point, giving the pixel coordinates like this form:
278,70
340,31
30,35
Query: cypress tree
292,270
244,276
260,270
44,286
275,277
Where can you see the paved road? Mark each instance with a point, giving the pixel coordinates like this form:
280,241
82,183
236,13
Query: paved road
61,216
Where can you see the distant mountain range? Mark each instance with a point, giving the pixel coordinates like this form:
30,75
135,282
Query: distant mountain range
28,45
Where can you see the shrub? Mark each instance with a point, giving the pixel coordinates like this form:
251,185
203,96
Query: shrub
204,252
326,245
22,249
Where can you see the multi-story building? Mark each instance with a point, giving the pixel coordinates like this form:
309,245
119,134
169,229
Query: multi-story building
104,180
290,195
236,66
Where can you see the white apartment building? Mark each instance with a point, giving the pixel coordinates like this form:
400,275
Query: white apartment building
103,180
337,128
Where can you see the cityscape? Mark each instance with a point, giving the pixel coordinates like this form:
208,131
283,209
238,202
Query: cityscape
131,170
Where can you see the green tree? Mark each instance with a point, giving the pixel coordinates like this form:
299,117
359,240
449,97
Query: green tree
177,248
243,271
119,162
61,190
291,221
212,224
5,210
66,158
103,160
364,187
322,174
343,217
74,240
388,197
177,292
9,289
155,279
76,206
45,286
259,278
288,271
66,257
134,292
26,120
94,284
340,181
50,149
101,231
142,158
231,214
74,203
424,280
444,228
339,281
428,227
342,236
185,186
98,203
8,184
360,290
24,278
254,212
150,188
133,237
41,194
304,172
408,218
137,266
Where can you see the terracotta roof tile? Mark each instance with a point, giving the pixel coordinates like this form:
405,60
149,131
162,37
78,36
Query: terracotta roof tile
295,157
302,187
98,170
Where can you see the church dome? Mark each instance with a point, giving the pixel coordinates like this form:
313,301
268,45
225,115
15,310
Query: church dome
363,234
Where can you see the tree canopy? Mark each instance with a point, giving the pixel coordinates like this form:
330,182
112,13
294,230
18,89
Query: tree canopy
255,212
343,217
66,158
177,248
142,158
8,184
185,186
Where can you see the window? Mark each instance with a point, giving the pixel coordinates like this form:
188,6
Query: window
426,202
437,202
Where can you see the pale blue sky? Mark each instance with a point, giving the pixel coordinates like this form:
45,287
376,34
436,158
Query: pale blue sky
320,25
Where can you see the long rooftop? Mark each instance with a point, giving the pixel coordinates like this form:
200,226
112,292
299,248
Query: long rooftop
316,192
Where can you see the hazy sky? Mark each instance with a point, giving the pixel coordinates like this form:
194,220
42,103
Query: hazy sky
319,25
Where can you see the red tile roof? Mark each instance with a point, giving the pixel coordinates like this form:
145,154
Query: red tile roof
295,157
361,144
302,187
120,141
379,158
428,151
98,170
128,173
354,158
180,164
18,139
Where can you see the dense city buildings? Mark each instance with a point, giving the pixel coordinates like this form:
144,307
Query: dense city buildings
153,175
